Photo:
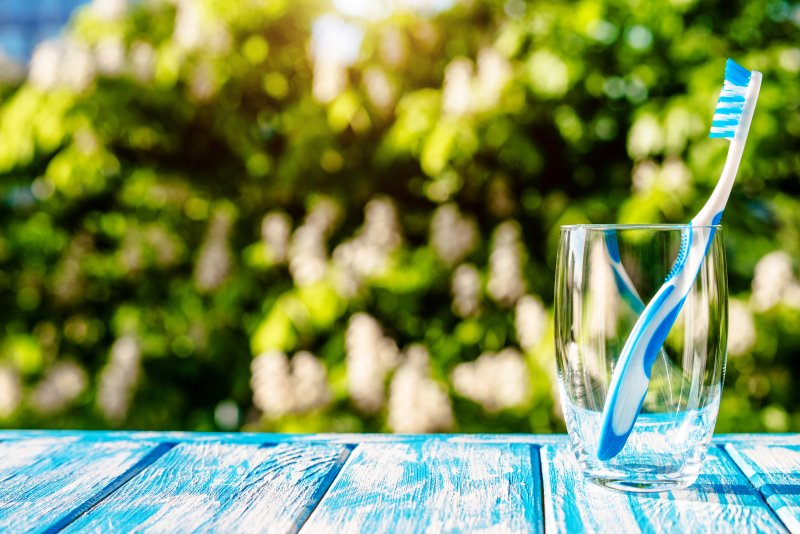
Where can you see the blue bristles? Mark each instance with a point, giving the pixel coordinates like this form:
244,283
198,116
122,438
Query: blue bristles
731,101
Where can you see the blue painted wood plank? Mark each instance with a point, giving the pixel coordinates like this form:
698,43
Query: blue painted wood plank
217,487
775,471
433,486
722,500
46,481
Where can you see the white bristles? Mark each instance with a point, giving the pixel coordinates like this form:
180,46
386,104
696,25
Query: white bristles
731,101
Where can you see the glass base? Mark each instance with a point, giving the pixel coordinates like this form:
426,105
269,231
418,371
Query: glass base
641,486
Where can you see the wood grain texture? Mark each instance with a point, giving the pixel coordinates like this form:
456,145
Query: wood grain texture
217,487
46,481
775,471
722,500
433,486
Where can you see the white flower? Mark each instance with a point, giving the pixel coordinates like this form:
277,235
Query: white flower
495,381
62,63
673,176
109,55
131,250
325,215
281,387
10,390
452,235
530,321
143,61
276,227
645,175
308,252
466,289
393,47
76,66
417,403
506,283
367,253
271,384
118,378
69,281
307,255
335,45
370,358
493,75
791,297
44,65
335,40
381,227
772,277
380,89
109,10
645,137
202,85
309,382
188,31
215,259
330,79
60,386
457,91
742,328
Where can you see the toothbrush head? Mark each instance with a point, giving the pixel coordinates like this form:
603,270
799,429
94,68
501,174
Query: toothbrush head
731,101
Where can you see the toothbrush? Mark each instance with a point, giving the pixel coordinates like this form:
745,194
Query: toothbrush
628,387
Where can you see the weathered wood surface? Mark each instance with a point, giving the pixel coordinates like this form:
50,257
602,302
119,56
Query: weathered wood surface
180,482
775,471
217,487
430,486
47,482
722,500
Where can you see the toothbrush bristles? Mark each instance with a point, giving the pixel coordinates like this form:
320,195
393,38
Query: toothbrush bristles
731,101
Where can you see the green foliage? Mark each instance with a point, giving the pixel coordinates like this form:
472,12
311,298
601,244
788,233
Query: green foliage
228,187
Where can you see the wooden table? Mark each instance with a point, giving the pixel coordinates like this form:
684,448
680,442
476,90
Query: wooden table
175,482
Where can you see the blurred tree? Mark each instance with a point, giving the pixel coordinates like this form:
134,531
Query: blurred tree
300,216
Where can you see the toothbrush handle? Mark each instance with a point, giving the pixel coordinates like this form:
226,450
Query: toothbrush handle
632,373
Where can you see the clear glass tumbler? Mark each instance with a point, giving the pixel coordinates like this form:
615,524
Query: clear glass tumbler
605,276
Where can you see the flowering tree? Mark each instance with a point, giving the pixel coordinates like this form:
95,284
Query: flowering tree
283,216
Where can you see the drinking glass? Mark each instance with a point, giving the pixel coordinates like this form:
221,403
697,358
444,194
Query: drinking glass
605,276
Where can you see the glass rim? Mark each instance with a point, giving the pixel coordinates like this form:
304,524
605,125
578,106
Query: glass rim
638,226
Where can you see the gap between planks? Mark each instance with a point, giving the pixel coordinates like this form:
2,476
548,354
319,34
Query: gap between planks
533,452
763,497
330,478
164,447
157,452
536,470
